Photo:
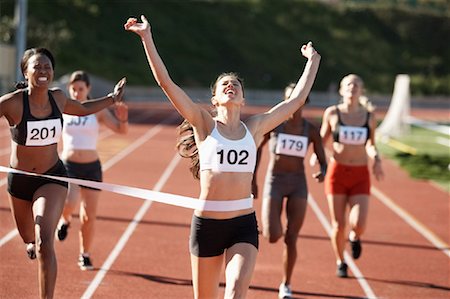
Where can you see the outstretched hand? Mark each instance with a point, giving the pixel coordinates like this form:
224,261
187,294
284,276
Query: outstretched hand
308,50
119,89
140,29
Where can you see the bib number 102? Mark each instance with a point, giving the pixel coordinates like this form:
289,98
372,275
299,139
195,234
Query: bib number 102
233,157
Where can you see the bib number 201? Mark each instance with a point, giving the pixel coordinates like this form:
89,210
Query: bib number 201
43,133
233,157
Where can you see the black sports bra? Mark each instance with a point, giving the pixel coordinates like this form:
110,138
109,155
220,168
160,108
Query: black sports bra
351,134
32,131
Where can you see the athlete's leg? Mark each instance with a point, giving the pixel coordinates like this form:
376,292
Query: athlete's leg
206,276
88,215
295,210
47,209
359,207
337,205
272,206
70,205
240,260
23,217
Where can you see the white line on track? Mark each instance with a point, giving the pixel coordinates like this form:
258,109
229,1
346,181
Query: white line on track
413,222
128,232
9,236
327,226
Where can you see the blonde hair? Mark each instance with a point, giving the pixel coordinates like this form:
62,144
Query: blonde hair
363,99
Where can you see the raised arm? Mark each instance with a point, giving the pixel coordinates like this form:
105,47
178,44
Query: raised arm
265,122
181,101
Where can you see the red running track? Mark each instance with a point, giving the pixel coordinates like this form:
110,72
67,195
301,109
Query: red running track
141,248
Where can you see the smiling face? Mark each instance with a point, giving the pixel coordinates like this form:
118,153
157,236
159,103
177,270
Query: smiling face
38,71
228,89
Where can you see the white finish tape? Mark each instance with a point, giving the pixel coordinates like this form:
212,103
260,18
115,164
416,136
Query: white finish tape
166,198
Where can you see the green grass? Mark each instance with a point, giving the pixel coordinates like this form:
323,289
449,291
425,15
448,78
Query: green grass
431,160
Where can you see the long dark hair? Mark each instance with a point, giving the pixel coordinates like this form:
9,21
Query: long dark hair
24,63
186,146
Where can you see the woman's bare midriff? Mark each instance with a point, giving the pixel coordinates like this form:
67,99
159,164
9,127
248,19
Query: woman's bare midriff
36,159
80,156
225,186
353,155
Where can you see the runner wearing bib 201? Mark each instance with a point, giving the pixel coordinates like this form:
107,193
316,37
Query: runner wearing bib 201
32,131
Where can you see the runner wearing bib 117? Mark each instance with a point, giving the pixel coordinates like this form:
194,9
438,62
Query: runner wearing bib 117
347,184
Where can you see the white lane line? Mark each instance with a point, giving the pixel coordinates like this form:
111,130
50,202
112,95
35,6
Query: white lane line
129,231
152,132
9,236
327,226
413,222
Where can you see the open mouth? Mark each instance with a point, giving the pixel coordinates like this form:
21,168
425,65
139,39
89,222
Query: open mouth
230,91
42,79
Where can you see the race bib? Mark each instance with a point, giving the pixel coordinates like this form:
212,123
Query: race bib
291,145
235,159
43,132
73,120
352,135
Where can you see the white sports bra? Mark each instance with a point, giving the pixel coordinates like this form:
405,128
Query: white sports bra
80,132
224,155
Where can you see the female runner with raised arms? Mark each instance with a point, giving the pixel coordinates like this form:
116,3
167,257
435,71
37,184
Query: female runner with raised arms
227,154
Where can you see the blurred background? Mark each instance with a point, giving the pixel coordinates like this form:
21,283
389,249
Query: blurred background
259,39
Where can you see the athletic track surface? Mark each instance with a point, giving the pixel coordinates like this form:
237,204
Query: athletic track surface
141,248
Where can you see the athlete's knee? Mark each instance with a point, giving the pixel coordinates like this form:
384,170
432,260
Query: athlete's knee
44,246
290,239
236,289
272,236
338,226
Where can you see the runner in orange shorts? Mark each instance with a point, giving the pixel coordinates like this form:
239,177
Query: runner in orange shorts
352,125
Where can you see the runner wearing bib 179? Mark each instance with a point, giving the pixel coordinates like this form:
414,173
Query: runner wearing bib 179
347,184
285,185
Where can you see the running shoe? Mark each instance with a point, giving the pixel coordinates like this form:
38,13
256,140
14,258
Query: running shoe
284,291
84,262
341,270
31,251
62,231
356,248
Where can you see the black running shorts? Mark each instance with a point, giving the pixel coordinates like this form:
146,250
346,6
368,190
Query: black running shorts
210,237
